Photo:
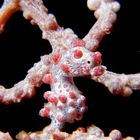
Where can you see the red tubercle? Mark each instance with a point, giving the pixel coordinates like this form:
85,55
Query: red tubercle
71,103
61,118
60,106
98,71
78,54
83,109
44,112
97,58
78,42
47,94
58,137
48,79
56,58
86,70
64,68
52,99
51,26
62,98
72,112
81,101
72,95
117,91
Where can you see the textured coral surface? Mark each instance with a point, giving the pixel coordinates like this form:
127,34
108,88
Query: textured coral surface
66,103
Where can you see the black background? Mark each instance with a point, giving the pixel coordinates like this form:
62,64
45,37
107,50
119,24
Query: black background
21,46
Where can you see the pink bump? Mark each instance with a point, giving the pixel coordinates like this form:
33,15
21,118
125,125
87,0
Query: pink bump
72,95
86,70
78,42
56,58
64,68
44,112
60,107
47,94
47,79
78,54
61,118
62,98
52,99
71,103
97,58
83,109
72,112
81,101
98,71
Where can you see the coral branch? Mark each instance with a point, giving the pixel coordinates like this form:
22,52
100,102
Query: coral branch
119,83
8,8
5,136
25,88
90,133
38,14
105,12
70,57
58,37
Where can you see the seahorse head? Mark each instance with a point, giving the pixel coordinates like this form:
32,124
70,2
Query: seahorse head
78,61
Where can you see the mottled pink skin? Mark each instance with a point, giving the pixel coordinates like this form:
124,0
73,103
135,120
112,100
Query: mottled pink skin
65,102
70,57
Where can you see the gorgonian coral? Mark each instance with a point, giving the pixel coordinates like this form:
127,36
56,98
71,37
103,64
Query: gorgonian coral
70,57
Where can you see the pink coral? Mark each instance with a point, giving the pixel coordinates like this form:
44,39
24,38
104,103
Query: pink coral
70,57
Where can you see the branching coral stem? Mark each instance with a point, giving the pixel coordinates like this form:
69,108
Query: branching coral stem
70,57
119,83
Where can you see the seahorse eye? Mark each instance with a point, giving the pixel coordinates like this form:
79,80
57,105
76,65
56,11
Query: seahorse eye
88,62
78,54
